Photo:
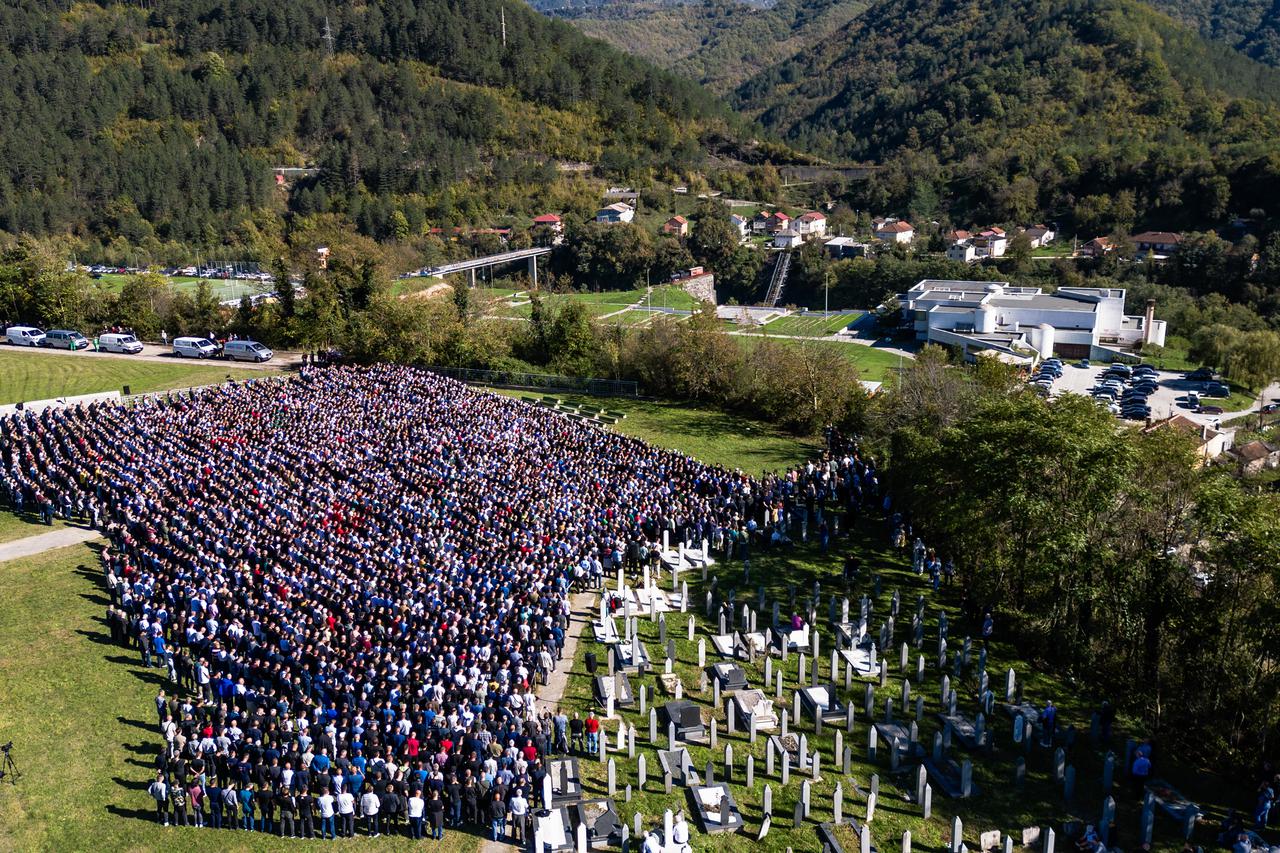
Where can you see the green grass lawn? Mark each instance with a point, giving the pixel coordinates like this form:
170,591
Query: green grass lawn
24,376
80,714
223,289
14,526
710,435
810,325
874,364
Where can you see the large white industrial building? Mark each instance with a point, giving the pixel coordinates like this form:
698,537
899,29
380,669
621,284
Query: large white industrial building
1023,324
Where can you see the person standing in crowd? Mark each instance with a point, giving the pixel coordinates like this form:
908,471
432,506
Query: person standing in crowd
369,808
159,791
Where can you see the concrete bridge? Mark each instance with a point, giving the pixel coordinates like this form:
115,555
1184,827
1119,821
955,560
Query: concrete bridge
471,265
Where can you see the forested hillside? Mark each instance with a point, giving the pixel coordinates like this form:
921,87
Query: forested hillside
719,43
1250,26
160,125
1101,111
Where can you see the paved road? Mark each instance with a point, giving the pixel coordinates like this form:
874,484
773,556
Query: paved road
31,545
155,352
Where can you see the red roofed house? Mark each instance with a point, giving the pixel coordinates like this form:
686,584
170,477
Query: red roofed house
1096,248
811,224
676,225
1160,244
778,222
894,231
549,220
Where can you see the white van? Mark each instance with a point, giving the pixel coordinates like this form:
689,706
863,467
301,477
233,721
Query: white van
246,351
194,347
112,342
24,336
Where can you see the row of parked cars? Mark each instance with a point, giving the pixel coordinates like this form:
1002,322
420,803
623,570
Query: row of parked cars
1124,390
1049,370
183,347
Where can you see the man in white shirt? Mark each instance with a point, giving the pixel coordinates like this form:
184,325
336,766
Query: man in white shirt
347,814
519,812
369,808
416,807
326,803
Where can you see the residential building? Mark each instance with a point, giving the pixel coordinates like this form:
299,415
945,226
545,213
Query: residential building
811,225
787,239
1255,456
894,231
740,224
962,250
1026,322
991,243
1211,442
1159,244
1039,235
676,226
614,213
550,221
1096,248
760,222
778,222
839,248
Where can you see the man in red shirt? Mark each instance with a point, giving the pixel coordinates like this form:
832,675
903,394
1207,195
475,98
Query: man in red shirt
593,733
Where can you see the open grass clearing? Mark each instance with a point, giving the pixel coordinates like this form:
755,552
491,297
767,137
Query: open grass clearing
26,376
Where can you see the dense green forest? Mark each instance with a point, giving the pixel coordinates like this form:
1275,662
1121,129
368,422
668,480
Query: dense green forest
159,125
1250,26
719,43
1101,112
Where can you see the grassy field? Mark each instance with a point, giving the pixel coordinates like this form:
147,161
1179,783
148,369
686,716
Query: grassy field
80,714
710,435
223,289
14,526
24,376
810,325
874,364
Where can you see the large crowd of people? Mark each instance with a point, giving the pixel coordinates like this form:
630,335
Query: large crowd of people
354,576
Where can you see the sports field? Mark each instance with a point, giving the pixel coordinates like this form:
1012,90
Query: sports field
810,325
222,288
27,376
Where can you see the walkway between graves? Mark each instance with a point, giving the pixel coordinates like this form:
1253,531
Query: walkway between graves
581,607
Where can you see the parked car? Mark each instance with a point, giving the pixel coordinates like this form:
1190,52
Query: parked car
1084,362
194,348
1270,407
1200,374
1210,410
246,351
65,339
1217,389
24,336
112,342
1193,400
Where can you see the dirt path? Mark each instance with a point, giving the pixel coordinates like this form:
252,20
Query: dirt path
31,545
582,605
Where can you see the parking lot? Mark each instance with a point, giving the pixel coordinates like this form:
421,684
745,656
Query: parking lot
1170,398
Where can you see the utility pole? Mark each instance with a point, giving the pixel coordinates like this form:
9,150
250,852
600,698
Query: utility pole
328,37
503,12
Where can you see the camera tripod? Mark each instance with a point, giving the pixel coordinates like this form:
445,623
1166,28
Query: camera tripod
7,765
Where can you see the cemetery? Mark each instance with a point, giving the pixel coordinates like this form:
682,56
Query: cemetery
880,724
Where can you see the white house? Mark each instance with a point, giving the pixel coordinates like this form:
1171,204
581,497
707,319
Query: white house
1074,322
991,243
787,239
962,250
846,247
740,224
619,211
1040,235
894,231
811,225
